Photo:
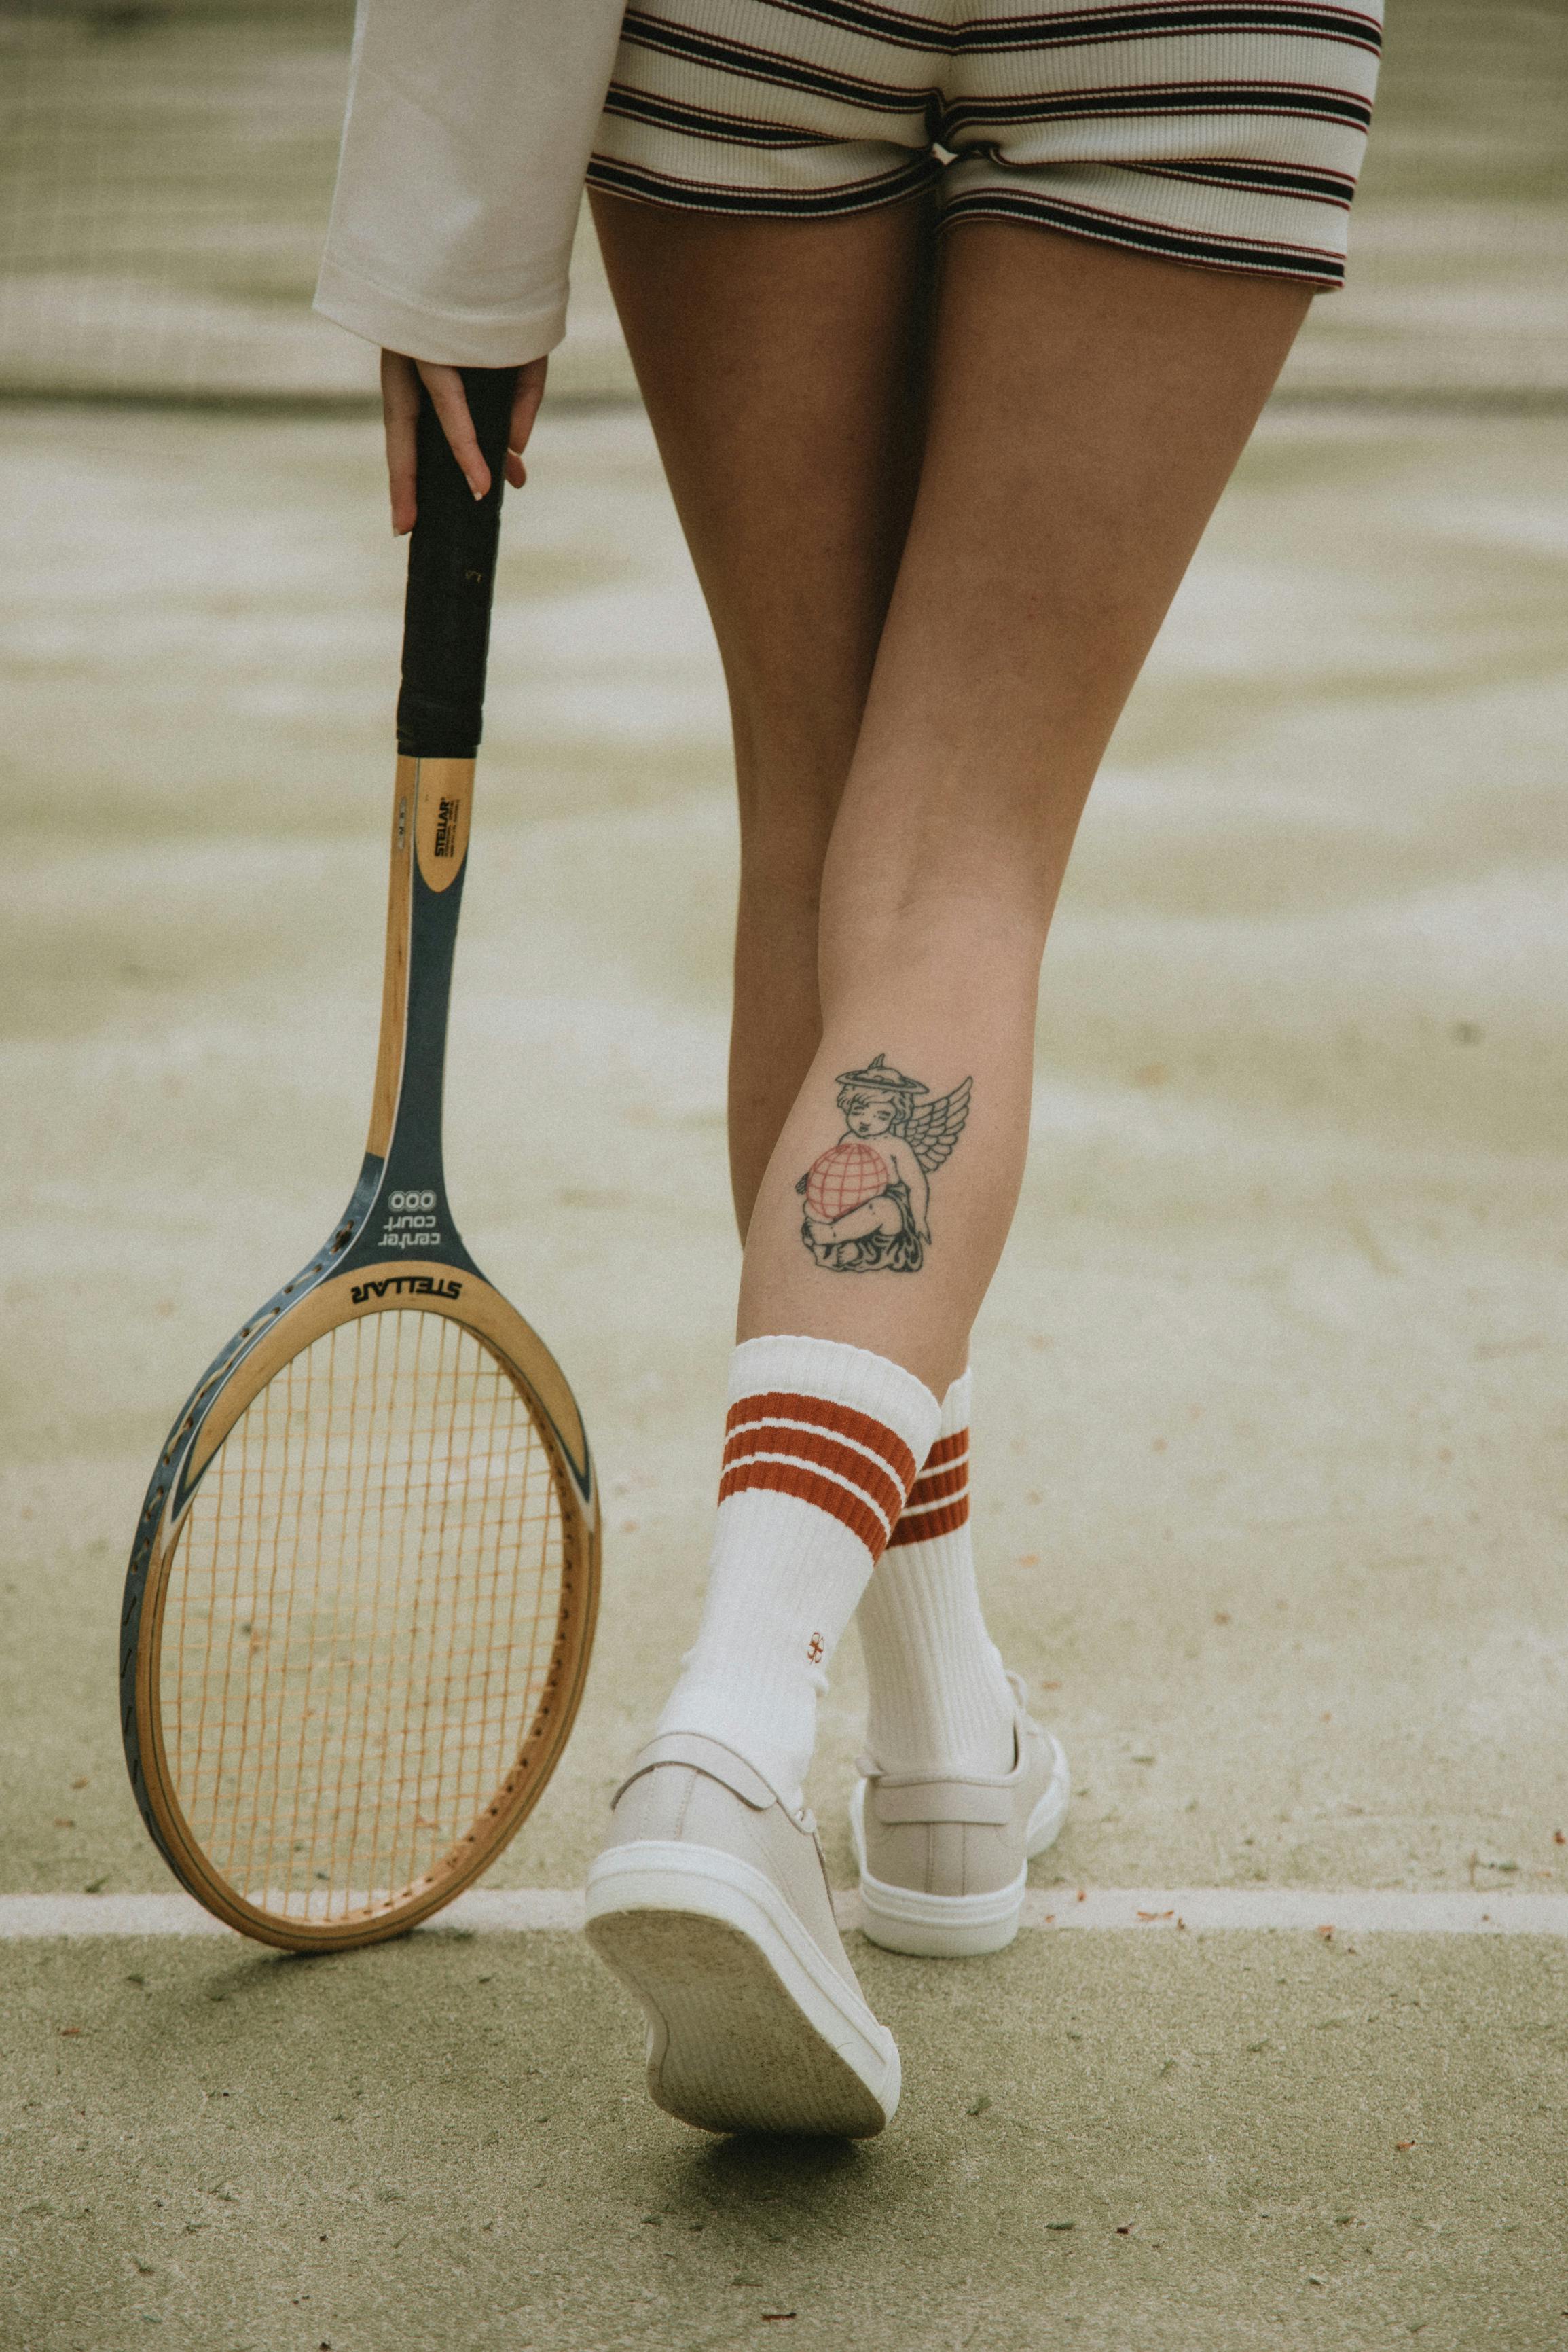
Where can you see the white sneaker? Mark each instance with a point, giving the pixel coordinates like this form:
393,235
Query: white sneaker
711,1904
943,1862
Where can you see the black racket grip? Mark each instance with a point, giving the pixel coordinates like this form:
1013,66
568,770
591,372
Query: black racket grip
452,577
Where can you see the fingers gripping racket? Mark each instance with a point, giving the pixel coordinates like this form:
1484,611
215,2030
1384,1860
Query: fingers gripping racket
359,1611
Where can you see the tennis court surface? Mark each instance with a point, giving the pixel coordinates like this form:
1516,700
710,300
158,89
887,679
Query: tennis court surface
1271,1430
1270,1426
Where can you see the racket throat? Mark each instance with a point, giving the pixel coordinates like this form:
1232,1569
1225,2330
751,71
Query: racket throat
399,1205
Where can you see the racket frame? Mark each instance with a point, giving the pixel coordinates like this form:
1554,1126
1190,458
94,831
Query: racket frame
373,1262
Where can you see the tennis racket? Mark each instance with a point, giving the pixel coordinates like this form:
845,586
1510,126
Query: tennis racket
360,1604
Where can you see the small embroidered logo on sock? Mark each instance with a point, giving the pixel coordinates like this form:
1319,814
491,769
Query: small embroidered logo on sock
814,1648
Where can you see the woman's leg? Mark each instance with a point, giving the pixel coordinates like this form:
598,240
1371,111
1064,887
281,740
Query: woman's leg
1086,409
782,365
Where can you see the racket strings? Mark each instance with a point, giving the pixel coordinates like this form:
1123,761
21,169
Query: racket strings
361,1617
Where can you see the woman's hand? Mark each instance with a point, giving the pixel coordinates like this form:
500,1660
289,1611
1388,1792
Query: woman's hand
400,380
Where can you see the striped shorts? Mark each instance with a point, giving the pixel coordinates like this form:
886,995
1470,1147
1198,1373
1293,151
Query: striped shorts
1224,132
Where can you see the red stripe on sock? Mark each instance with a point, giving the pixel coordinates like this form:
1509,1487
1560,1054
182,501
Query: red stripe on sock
784,1477
839,1420
931,1524
815,1448
935,1486
940,1499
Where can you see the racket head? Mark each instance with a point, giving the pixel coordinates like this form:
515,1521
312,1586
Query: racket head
360,1606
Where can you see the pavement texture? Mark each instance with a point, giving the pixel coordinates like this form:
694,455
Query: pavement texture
1213,2143
1270,1438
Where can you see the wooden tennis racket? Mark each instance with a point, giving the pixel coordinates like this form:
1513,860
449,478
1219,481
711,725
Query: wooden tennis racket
360,1607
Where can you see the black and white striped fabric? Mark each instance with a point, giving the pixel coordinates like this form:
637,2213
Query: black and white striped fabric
1224,132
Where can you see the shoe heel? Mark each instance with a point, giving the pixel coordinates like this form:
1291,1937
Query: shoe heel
939,1927
745,2032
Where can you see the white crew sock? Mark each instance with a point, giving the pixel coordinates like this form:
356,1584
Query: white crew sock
821,1446
940,1702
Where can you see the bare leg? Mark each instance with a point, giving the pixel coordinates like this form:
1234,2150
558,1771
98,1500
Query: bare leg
1086,410
782,365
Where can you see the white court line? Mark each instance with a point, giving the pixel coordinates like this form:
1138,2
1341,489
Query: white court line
1348,1911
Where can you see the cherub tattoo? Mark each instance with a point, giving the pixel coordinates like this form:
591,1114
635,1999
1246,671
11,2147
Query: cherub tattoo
867,1199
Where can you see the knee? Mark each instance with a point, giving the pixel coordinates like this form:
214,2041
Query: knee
793,748
786,824
932,931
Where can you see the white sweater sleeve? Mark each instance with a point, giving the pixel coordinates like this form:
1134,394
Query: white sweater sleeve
466,140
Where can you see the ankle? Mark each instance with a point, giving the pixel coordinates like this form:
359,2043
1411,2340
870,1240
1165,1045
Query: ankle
823,1443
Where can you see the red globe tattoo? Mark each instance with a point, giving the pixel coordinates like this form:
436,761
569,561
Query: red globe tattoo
845,1177
868,1197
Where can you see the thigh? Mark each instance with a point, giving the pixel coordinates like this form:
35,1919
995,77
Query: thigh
782,365
1087,407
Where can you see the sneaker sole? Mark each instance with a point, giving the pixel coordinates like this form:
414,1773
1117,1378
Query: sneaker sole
955,1926
750,2027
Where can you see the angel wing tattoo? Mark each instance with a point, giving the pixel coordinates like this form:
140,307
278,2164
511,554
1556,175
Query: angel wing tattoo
934,1127
868,1196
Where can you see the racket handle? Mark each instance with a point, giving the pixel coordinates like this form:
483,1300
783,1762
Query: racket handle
451,578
